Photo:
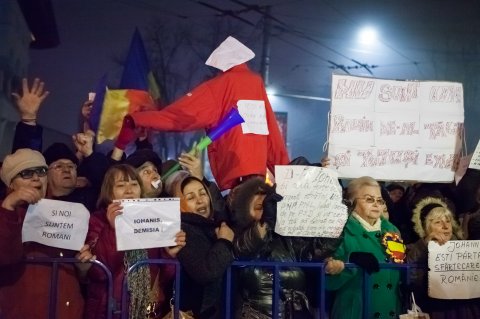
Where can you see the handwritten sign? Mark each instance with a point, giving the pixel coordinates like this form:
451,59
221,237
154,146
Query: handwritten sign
395,130
475,160
454,269
312,202
255,116
147,223
56,223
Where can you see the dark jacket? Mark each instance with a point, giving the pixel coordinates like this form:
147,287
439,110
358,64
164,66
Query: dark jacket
256,283
203,263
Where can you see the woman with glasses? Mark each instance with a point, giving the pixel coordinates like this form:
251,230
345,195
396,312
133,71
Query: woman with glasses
368,240
25,287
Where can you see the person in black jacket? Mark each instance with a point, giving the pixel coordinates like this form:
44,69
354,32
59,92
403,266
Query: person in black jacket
208,252
253,207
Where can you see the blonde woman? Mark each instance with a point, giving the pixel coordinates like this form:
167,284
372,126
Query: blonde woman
435,221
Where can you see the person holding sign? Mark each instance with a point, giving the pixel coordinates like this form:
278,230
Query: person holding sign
25,288
146,283
208,253
254,210
435,221
368,240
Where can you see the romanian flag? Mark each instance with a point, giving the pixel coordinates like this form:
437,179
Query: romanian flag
138,91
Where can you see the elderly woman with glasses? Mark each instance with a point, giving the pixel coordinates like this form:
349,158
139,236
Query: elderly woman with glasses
369,240
25,287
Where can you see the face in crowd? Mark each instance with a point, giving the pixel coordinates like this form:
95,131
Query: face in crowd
256,206
439,224
197,198
126,186
62,176
150,178
369,203
34,177
395,194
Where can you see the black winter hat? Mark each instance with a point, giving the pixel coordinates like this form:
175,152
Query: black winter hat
58,151
139,157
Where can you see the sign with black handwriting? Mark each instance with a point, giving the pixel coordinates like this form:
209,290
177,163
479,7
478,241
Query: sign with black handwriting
147,223
56,223
454,269
312,202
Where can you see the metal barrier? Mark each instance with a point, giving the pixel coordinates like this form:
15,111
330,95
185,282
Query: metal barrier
52,313
276,266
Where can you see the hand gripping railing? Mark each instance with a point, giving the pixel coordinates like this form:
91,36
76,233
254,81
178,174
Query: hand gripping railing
52,313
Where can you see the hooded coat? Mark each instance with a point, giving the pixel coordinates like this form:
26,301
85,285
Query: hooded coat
256,283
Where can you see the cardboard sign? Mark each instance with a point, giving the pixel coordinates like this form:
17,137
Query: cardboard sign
56,223
312,202
454,269
395,130
147,223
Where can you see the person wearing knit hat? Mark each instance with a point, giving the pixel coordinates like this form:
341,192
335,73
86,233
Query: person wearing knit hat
25,174
62,169
149,166
434,221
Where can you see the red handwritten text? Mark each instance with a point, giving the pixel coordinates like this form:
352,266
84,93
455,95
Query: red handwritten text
343,125
398,93
354,89
446,94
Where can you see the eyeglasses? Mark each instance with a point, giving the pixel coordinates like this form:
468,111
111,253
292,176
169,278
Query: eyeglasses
371,200
63,166
29,172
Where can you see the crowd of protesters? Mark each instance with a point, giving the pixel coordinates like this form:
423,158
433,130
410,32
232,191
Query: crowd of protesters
215,231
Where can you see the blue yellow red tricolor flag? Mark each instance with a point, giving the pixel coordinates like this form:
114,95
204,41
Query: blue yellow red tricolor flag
138,91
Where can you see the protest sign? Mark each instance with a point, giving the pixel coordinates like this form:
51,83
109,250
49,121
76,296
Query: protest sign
255,116
395,130
56,223
475,160
147,223
454,269
312,202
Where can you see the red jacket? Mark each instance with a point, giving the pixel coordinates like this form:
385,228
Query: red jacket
101,237
234,154
25,288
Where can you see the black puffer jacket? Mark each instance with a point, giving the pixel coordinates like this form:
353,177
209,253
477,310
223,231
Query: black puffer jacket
256,283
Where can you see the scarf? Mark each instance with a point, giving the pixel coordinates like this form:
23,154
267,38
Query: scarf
366,225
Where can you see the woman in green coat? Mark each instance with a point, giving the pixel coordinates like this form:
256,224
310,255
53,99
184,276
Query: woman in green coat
368,240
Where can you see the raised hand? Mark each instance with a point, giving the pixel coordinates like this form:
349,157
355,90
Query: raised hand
29,102
192,164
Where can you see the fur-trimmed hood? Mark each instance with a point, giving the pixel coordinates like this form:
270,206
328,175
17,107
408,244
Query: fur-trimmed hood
240,199
423,209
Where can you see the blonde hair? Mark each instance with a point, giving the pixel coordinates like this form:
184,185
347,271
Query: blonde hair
429,209
355,185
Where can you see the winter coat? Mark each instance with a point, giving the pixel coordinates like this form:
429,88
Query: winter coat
102,240
384,291
436,308
203,261
234,154
256,283
25,287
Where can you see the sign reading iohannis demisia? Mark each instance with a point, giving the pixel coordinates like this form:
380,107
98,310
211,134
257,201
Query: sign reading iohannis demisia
147,223
56,223
395,130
